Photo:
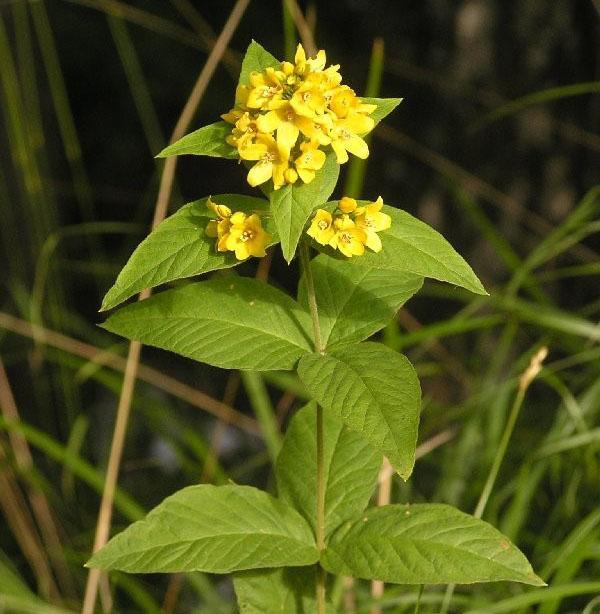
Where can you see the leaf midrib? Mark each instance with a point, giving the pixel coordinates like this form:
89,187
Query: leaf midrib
234,534
404,541
372,396
306,348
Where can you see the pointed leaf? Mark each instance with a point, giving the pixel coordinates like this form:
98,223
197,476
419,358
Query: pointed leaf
355,299
375,391
292,204
257,59
217,529
351,468
412,246
289,590
384,107
179,248
234,323
425,544
206,141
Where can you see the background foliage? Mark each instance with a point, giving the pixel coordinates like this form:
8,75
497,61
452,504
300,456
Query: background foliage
89,91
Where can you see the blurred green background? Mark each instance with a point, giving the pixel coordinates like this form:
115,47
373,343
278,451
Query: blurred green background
496,145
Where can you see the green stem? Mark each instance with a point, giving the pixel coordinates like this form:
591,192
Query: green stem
491,479
320,529
310,291
526,379
418,602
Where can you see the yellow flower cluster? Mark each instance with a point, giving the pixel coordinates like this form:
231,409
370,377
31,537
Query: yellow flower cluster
287,114
237,232
350,227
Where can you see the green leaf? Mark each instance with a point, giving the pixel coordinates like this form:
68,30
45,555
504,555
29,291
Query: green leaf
412,246
375,391
179,248
425,544
207,141
234,323
289,590
356,299
217,529
292,204
351,468
384,107
257,59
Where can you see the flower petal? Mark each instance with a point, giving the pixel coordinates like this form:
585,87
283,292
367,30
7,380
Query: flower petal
355,145
260,173
287,134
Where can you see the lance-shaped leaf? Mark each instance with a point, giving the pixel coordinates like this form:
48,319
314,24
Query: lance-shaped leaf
375,391
412,246
234,323
216,529
206,141
289,590
356,299
425,544
179,248
292,204
384,107
351,467
257,59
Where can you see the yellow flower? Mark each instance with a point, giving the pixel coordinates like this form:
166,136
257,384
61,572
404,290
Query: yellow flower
347,204
321,228
266,89
372,220
305,66
223,211
345,136
344,101
309,99
316,128
272,160
285,105
309,161
284,122
246,236
348,237
219,229
245,130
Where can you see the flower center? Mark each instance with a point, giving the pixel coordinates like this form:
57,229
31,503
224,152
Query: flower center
247,235
323,225
267,158
306,96
344,134
268,92
346,237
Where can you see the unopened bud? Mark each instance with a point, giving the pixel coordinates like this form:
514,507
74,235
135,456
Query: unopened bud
347,204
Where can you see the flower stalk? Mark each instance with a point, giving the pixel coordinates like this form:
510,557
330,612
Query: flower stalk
320,528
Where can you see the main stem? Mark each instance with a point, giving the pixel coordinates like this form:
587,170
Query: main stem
320,536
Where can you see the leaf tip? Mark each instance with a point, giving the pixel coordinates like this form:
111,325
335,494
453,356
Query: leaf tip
535,580
106,304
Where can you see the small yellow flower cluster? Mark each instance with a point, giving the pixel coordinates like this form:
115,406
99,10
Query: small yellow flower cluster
237,232
350,227
286,114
